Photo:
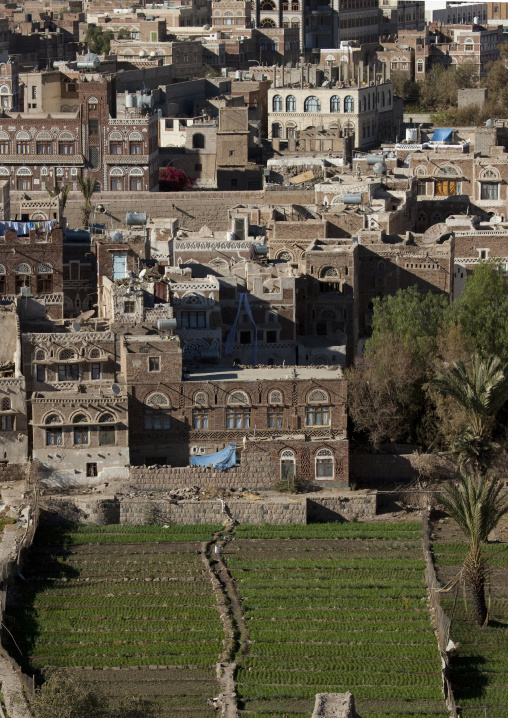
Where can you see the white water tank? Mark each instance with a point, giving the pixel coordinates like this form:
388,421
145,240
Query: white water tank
411,134
130,100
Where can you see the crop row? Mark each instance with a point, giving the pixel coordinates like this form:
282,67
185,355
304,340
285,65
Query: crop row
322,678
337,613
376,564
141,601
330,531
281,652
404,693
155,611
347,665
59,536
198,660
210,648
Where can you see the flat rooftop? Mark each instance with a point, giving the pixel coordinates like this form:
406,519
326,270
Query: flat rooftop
271,373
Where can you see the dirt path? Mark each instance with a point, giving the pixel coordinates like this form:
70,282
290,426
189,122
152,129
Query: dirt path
236,636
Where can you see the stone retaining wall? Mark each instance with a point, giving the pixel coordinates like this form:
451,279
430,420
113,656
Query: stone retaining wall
175,477
89,509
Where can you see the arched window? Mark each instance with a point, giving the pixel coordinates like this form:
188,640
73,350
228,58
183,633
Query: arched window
44,278
23,268
290,103
106,430
80,424
312,104
240,398
157,399
67,354
318,410
198,141
267,22
329,272
335,103
238,416
54,430
349,104
285,256
276,128
324,464
277,103
201,398
287,464
275,397
295,6
318,396
267,6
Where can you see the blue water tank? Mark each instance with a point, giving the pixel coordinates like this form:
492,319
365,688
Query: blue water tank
77,235
352,199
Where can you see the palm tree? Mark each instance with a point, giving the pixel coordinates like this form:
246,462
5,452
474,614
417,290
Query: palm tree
481,392
474,502
87,187
62,192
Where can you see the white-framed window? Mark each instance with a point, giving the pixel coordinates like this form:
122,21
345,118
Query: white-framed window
287,464
325,465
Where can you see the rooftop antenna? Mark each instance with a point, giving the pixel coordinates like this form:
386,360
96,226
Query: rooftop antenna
116,389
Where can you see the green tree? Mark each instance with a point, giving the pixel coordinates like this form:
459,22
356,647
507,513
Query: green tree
87,187
482,310
64,696
481,393
387,398
476,505
412,316
98,40
497,81
124,34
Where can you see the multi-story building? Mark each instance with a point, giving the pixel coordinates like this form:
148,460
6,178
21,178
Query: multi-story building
355,108
457,44
400,15
86,137
465,13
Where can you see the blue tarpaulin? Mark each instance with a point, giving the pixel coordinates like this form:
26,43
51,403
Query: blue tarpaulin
221,460
442,135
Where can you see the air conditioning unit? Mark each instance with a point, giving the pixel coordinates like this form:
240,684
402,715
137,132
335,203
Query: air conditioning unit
74,171
25,292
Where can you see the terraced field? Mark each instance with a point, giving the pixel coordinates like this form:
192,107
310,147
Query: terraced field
134,599
335,607
479,668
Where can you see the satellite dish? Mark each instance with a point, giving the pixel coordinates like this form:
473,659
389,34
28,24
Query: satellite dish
142,274
116,389
85,315
76,326
435,233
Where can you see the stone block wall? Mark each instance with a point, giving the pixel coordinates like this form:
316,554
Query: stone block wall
166,478
340,507
88,509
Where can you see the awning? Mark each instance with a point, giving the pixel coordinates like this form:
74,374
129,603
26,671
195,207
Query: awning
221,460
442,135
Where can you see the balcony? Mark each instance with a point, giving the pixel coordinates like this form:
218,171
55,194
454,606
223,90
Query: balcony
33,159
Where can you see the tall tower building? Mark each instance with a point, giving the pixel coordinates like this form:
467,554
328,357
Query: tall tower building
321,23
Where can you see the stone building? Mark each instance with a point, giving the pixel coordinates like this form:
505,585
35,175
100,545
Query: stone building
13,408
355,109
85,137
79,405
31,266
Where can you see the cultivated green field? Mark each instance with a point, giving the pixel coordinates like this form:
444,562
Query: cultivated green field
120,597
335,607
479,668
